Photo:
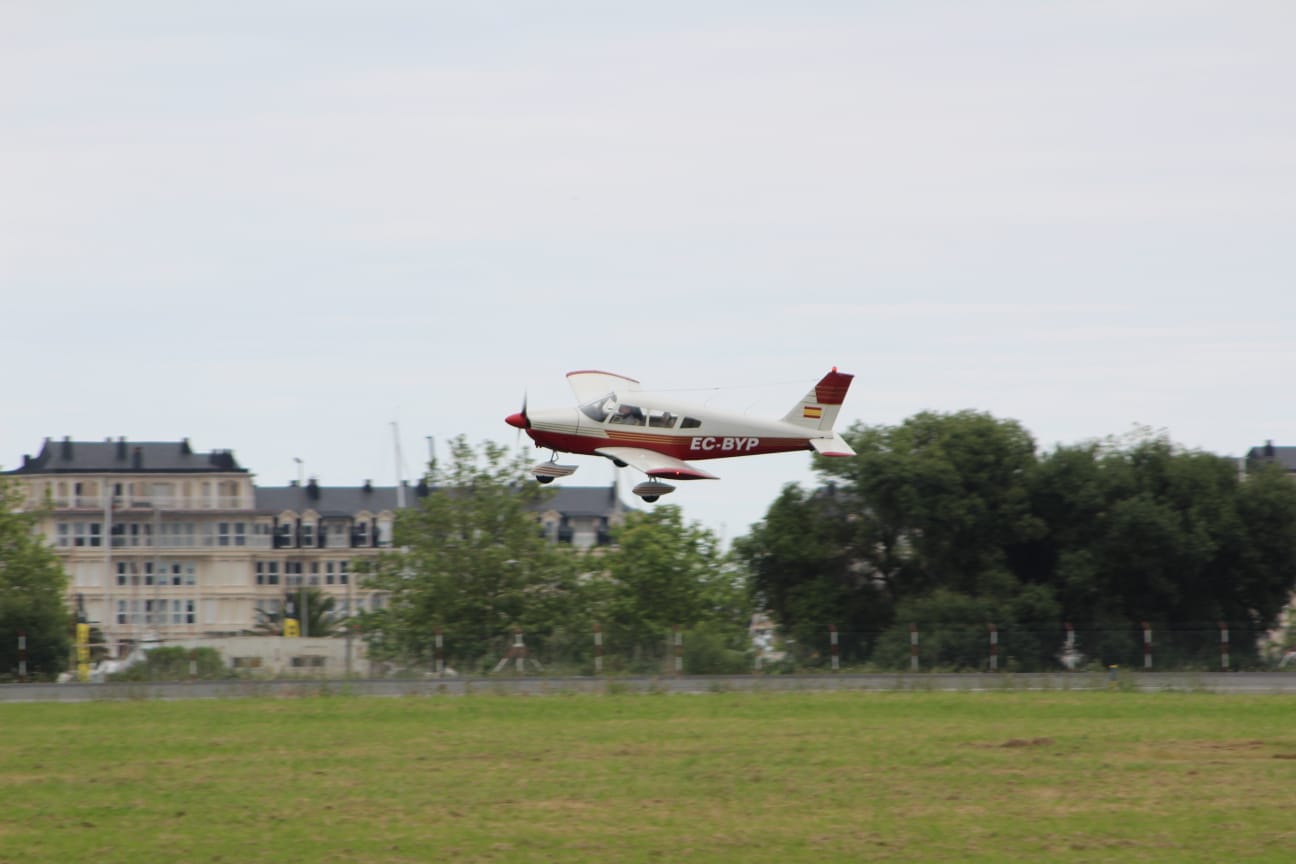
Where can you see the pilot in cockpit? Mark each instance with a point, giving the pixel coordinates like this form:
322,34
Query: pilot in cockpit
627,415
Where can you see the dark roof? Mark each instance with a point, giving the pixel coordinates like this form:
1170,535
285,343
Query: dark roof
348,500
80,457
585,501
1284,456
330,500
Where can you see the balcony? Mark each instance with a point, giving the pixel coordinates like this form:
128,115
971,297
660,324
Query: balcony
153,502
248,541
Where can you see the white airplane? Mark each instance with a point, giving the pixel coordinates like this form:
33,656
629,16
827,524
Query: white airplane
655,434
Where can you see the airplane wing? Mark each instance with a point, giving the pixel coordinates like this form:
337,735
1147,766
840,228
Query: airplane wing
590,384
655,464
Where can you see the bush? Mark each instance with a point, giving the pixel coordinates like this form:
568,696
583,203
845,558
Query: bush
172,664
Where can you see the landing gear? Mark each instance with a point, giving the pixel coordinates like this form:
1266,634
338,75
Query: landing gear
547,472
651,490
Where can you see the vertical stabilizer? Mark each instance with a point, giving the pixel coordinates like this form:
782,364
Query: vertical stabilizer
818,408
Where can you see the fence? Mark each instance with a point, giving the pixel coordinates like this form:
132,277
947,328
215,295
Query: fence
913,647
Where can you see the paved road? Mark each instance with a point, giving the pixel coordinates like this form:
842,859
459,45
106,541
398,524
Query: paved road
1217,682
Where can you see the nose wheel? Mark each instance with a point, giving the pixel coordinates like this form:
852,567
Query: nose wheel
547,472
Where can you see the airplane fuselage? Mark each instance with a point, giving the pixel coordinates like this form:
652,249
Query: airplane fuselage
707,435
618,421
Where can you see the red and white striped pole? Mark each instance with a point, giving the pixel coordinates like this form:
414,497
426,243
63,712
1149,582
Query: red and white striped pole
22,655
1147,645
440,653
1224,646
679,651
994,648
913,647
598,650
836,649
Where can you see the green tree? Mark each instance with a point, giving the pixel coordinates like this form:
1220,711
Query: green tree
32,587
662,573
955,516
470,560
813,562
1144,531
315,612
938,501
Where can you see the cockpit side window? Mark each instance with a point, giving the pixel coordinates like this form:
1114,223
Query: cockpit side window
690,423
662,419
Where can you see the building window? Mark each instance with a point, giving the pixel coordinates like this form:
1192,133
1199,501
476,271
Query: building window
267,572
307,535
342,572
314,573
360,534
177,573
293,573
182,611
283,536
86,534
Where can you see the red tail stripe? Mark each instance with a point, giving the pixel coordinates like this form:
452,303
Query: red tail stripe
832,389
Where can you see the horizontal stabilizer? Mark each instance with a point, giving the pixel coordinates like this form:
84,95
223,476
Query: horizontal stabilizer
834,446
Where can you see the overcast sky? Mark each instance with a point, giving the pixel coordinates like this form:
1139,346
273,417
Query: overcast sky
280,227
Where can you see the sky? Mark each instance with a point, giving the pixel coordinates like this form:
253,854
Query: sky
312,230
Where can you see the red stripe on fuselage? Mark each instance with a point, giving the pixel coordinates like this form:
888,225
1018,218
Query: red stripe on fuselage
677,446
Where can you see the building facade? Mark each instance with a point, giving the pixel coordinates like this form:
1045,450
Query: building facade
160,541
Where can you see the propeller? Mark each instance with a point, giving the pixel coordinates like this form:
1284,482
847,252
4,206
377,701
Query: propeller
519,420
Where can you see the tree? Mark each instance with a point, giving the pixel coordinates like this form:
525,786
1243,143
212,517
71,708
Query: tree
812,562
956,516
936,502
32,586
471,561
1146,531
315,612
663,573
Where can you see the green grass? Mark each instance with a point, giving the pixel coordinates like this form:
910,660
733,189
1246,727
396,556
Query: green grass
1076,777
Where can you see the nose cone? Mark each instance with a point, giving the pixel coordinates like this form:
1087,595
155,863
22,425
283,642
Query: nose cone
517,421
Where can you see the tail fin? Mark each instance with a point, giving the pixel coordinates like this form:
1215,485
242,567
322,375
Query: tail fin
818,408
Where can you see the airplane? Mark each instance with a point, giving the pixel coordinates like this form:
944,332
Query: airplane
615,419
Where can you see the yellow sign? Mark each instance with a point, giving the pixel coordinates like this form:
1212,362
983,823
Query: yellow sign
83,652
291,628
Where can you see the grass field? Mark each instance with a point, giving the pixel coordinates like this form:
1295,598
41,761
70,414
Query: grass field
1074,777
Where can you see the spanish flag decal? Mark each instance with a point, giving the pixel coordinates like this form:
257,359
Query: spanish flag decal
814,412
